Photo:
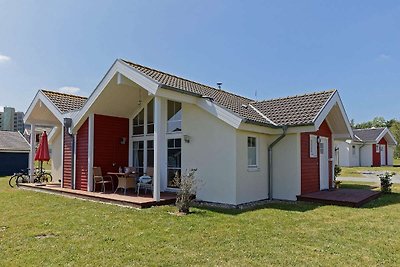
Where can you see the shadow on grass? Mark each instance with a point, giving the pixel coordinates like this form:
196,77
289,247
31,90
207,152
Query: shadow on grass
292,206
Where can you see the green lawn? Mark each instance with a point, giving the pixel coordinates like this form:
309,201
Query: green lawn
93,234
396,161
357,171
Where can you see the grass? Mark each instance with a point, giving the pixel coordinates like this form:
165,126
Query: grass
357,171
396,161
87,233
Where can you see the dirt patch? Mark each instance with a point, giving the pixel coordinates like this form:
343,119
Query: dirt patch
44,236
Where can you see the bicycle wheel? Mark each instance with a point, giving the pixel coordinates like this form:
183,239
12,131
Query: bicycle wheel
46,178
13,181
21,179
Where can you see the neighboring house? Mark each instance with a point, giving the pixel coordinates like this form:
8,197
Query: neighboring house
369,147
244,150
14,152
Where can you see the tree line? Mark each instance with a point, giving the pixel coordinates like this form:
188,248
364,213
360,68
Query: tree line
393,125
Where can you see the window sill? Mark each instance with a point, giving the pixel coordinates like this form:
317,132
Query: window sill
253,169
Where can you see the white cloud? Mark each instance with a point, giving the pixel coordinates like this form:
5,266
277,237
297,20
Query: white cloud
383,57
69,90
4,58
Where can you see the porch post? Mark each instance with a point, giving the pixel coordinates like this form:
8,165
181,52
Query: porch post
157,147
90,152
32,152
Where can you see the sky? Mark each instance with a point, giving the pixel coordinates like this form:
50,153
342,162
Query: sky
258,49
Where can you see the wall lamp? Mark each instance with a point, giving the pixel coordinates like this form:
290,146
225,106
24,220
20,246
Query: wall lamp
187,138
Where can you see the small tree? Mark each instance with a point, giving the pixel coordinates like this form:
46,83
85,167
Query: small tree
187,184
386,182
337,172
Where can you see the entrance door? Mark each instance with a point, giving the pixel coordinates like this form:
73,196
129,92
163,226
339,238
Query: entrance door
323,164
383,155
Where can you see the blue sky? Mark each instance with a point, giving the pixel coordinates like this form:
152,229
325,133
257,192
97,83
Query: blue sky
277,48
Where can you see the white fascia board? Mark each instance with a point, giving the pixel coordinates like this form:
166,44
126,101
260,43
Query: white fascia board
321,116
383,133
118,67
45,101
220,112
15,151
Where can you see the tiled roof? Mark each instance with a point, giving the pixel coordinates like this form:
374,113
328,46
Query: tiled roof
223,98
294,110
290,111
13,141
65,102
368,135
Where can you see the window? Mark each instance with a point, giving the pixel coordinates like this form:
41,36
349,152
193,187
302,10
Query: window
313,146
174,123
150,153
138,155
377,148
251,152
150,117
138,123
174,161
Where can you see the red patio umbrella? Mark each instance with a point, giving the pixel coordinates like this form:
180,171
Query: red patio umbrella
42,153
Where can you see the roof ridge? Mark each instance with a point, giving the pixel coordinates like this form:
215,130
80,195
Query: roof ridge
289,97
55,92
371,128
185,79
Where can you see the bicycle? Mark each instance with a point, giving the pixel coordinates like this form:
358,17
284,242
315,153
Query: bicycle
18,178
42,177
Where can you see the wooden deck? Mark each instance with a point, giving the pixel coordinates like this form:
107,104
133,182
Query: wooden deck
341,197
130,199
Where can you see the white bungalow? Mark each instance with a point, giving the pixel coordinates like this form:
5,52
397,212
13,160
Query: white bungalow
244,150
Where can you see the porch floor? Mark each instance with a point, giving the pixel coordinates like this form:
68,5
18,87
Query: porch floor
341,197
130,199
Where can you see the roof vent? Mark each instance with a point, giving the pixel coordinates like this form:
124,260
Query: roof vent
219,84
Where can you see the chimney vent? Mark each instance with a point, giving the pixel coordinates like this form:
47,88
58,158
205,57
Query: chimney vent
219,84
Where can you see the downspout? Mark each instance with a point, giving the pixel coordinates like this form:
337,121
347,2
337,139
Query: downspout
284,129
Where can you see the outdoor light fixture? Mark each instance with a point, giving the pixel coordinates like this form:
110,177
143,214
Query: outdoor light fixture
123,140
186,138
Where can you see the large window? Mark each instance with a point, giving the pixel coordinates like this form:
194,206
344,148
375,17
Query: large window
150,153
252,152
138,155
150,117
174,160
138,124
174,123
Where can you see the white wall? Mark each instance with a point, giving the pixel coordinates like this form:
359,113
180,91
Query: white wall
366,155
251,184
56,157
212,151
354,157
286,168
390,155
343,153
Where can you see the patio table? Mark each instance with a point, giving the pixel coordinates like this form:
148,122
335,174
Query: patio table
124,180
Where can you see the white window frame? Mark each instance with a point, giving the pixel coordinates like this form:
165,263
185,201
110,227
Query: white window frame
313,146
378,148
252,167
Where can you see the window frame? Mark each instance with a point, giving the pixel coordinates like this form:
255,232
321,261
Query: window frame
172,121
255,166
313,150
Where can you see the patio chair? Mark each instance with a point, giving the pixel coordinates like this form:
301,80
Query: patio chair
146,181
99,178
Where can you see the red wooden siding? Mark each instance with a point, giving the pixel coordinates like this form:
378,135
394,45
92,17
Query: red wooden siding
82,157
109,153
67,160
376,157
310,181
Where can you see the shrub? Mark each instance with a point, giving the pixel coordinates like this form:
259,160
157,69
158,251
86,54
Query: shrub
338,170
386,182
187,184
